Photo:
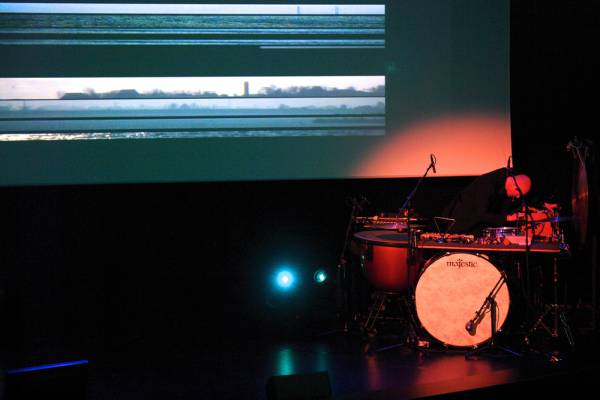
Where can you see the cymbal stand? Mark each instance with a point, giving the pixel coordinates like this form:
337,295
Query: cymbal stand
556,312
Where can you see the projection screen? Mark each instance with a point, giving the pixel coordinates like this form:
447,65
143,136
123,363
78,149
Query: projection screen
107,92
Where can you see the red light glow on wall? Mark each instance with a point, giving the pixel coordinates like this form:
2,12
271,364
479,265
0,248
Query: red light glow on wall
463,145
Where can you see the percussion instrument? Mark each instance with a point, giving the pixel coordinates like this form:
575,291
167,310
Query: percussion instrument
542,225
446,237
384,259
499,235
451,289
399,224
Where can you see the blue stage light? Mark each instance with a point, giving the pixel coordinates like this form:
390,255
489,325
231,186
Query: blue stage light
285,279
320,276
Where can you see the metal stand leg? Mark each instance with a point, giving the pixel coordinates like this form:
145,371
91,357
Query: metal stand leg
556,311
377,312
374,313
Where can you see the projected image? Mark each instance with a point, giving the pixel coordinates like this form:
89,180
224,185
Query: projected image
190,107
265,26
230,92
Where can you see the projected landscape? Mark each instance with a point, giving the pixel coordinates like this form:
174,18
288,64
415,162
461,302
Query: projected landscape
99,108
265,26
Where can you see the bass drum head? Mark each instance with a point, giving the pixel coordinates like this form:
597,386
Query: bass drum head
450,290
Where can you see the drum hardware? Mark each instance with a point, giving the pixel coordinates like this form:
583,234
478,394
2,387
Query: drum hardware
376,310
406,316
543,225
556,312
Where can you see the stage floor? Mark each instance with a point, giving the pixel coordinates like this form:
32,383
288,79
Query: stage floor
357,369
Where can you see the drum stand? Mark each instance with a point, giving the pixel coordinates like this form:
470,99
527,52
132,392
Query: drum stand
558,316
404,315
488,304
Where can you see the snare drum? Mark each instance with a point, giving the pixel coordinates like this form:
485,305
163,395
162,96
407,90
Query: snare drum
449,292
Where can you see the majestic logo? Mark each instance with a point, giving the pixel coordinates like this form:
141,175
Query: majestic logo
459,263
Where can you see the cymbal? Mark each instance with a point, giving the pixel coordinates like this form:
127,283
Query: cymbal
579,201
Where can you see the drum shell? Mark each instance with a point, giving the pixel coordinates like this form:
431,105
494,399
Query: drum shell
386,267
385,262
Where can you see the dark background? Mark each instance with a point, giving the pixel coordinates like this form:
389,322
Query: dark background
88,270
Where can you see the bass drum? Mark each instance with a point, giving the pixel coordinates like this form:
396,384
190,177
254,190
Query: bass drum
450,290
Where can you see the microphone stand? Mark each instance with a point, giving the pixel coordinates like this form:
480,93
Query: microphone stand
412,243
406,206
488,303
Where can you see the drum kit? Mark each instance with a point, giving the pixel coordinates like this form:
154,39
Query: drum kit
456,286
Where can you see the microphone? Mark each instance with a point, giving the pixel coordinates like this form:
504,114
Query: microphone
433,161
470,327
